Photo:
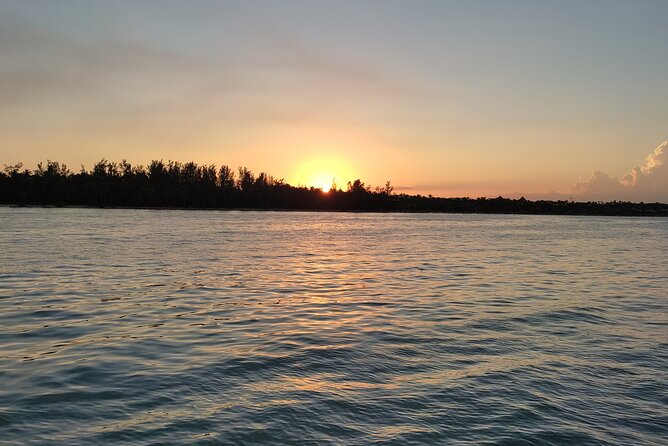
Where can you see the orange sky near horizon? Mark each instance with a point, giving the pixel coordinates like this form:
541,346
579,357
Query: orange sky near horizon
439,97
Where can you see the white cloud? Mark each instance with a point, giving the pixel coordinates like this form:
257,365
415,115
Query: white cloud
647,183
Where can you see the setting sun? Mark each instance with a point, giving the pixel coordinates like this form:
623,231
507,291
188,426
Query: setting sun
323,181
322,174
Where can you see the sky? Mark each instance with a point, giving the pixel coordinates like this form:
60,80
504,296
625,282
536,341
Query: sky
561,99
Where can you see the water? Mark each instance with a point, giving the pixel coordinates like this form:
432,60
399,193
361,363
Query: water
175,327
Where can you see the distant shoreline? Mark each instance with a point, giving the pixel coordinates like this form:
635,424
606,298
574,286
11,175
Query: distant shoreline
347,211
188,186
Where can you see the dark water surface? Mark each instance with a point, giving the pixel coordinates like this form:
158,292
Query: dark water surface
175,327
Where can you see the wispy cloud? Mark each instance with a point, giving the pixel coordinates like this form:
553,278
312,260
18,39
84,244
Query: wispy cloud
42,66
277,80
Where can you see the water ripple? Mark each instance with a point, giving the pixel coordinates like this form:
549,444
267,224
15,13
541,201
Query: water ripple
173,327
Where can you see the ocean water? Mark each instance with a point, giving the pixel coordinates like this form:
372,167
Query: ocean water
205,327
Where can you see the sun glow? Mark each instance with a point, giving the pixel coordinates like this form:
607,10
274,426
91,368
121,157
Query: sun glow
322,181
322,174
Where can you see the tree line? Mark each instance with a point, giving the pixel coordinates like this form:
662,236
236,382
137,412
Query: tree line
188,185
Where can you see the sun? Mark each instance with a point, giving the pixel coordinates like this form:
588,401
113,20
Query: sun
323,182
322,173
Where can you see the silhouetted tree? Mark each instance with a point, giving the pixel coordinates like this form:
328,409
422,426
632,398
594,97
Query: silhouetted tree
189,185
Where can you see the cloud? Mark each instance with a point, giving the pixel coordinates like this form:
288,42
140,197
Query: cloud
644,183
115,81
47,68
